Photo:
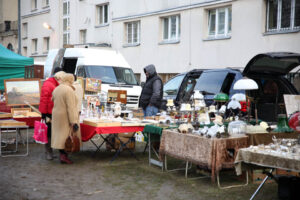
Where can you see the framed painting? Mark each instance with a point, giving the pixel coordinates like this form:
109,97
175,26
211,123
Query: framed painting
22,91
117,96
92,85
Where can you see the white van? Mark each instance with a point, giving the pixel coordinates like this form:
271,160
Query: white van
107,65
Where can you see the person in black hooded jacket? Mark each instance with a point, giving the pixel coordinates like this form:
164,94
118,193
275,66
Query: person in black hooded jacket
151,96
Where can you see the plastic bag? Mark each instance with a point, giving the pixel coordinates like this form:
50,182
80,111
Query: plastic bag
40,132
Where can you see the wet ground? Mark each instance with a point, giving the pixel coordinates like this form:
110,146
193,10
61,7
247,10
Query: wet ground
93,177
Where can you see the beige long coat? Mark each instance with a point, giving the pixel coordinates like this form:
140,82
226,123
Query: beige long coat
64,113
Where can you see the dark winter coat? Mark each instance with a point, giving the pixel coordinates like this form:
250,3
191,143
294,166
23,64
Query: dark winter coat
46,103
152,92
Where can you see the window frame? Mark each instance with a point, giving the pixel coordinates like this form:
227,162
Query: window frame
279,18
100,14
46,45
133,33
34,46
66,16
24,30
169,28
33,5
82,36
227,22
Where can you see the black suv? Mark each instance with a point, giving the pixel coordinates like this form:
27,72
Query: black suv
268,70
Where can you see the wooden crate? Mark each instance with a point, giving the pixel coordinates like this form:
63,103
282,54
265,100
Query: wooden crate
5,115
11,123
100,123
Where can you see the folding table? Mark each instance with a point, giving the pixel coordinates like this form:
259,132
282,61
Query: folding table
16,129
248,157
87,132
210,153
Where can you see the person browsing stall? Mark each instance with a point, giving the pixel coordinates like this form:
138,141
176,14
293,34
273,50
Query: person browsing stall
64,116
152,93
46,106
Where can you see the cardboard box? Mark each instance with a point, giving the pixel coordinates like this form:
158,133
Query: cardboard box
116,143
257,176
287,173
129,145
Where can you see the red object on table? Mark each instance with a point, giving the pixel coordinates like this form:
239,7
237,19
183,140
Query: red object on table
294,121
29,120
87,131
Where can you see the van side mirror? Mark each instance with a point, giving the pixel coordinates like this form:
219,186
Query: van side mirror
142,84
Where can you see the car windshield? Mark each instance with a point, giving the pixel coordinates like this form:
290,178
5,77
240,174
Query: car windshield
112,75
211,82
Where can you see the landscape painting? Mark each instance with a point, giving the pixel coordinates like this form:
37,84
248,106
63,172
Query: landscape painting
22,91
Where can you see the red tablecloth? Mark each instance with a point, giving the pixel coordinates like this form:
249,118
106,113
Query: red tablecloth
29,120
87,131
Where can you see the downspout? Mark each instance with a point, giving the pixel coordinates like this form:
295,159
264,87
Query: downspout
19,27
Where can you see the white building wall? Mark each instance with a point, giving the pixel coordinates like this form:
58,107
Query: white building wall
194,50
247,39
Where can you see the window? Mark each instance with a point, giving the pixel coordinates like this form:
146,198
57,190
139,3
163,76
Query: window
83,36
24,51
10,47
7,25
66,22
133,32
102,14
46,2
173,85
219,22
113,75
25,30
171,28
33,4
46,44
34,46
211,82
283,15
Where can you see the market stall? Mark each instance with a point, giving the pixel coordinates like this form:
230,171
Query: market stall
212,153
282,154
109,131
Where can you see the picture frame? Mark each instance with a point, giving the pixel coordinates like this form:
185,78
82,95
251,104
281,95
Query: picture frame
18,91
117,96
92,85
20,111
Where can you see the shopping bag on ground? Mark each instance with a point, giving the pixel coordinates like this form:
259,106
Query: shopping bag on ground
40,132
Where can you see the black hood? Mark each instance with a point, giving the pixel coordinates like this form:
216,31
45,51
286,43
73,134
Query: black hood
150,69
275,63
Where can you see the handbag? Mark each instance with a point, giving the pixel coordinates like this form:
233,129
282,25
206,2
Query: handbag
72,143
40,132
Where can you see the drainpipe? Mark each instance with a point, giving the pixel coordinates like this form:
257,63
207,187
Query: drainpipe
19,27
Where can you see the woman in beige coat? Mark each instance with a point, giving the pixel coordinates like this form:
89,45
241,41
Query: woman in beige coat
64,116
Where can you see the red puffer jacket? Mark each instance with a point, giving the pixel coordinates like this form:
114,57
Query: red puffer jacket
46,103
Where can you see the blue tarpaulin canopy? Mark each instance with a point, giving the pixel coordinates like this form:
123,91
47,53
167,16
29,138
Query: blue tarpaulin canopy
12,65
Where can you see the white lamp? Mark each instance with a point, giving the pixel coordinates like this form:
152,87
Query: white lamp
247,84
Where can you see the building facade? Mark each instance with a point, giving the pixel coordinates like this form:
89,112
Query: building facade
174,35
9,24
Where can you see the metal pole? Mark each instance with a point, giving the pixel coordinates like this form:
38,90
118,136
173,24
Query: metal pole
19,27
